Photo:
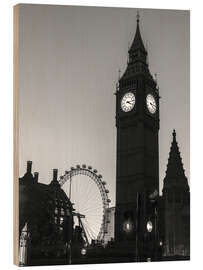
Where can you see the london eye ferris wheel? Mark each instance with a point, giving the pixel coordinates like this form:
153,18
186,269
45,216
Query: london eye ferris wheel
87,191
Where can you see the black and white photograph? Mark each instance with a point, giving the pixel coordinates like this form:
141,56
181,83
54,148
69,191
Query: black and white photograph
102,134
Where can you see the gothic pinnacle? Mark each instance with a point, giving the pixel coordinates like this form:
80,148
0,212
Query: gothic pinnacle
175,173
174,135
138,16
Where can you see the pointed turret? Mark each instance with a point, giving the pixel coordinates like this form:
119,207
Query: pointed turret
175,173
137,42
137,59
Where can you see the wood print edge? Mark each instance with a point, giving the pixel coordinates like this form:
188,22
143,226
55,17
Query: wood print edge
15,136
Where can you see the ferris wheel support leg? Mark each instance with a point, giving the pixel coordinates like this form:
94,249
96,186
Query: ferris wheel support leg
80,222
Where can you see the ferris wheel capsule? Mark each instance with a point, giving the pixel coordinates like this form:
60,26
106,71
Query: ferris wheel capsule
90,167
95,171
84,166
108,200
72,168
107,191
104,183
100,176
78,166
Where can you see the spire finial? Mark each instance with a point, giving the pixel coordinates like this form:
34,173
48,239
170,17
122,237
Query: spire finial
174,134
138,16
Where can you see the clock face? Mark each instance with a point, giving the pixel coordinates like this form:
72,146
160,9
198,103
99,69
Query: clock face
128,102
151,103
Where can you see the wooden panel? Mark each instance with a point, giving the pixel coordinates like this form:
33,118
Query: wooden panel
16,140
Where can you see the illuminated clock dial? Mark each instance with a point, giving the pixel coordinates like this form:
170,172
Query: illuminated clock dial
128,102
151,103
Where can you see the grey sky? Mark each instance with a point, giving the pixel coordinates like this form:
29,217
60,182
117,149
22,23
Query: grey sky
69,61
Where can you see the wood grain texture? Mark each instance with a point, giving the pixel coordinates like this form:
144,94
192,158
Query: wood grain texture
16,139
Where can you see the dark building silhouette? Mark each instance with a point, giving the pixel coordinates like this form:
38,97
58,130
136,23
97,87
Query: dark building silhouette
137,122
147,226
176,206
45,221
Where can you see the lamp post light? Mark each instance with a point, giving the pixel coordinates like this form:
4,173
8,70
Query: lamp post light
83,251
128,226
149,226
160,243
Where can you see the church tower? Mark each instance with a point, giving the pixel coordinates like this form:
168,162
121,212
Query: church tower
137,123
176,198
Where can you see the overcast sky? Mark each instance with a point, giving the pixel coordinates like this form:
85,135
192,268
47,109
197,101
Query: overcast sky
69,59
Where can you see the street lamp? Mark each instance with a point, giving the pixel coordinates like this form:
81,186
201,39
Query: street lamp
83,251
127,226
149,226
160,243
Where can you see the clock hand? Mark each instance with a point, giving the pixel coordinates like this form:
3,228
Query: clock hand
153,105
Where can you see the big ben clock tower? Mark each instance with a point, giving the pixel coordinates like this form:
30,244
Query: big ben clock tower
137,123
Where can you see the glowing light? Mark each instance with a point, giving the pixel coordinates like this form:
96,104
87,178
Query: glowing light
83,251
127,226
149,226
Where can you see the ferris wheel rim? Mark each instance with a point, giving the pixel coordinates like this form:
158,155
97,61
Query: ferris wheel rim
91,173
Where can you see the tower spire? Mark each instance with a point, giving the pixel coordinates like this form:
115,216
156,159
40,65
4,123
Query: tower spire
175,173
174,135
137,42
137,58
138,16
